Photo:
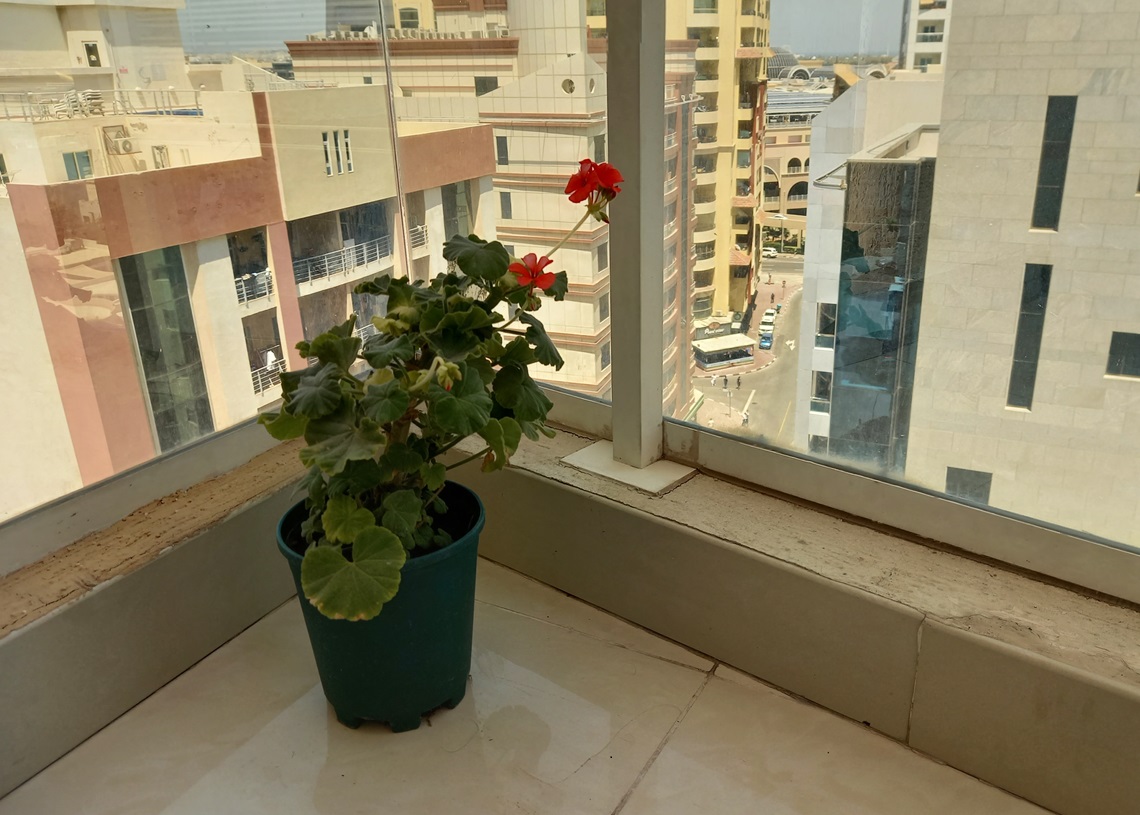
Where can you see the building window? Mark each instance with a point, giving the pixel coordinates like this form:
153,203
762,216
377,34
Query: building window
91,51
367,80
505,205
795,167
158,297
336,149
825,325
4,179
1030,327
743,158
161,156
600,148
486,84
1124,354
1058,137
78,165
769,140
604,307
510,247
704,5
501,156
821,386
795,139
409,18
603,255
969,485
605,356
328,154
347,151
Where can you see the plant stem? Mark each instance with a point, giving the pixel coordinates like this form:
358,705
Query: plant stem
569,235
480,454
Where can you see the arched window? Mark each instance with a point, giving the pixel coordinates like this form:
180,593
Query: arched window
409,18
794,167
807,164
798,192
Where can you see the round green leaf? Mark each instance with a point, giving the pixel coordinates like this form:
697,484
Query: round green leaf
354,590
344,519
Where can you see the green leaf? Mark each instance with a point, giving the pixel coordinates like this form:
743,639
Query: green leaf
402,510
337,439
559,287
460,332
477,258
482,367
385,403
375,286
282,426
380,351
402,303
317,393
333,350
356,589
503,437
402,458
544,348
464,409
518,351
433,474
515,389
357,477
344,519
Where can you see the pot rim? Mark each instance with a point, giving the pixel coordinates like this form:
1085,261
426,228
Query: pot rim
412,563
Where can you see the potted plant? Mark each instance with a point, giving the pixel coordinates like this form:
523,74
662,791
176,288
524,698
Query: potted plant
383,548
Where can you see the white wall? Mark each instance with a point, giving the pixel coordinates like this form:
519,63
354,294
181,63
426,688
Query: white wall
32,411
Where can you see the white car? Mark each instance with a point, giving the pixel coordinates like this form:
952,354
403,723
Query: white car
768,252
768,321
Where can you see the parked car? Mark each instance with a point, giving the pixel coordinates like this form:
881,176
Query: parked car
768,252
768,321
765,341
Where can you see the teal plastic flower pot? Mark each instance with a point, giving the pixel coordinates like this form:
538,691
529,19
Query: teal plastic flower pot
415,655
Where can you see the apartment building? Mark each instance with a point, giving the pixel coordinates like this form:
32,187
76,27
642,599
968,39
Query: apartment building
925,32
791,108
1001,364
536,75
873,150
167,251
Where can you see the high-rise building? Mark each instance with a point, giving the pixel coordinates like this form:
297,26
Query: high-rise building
925,32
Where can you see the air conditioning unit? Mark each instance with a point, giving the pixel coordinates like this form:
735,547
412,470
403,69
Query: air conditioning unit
122,146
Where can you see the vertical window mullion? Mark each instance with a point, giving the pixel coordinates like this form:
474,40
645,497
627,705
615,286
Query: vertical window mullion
336,146
636,116
328,159
347,152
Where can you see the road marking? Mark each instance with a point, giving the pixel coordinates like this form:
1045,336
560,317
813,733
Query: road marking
791,344
783,421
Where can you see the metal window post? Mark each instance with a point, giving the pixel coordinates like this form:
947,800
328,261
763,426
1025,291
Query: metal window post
636,83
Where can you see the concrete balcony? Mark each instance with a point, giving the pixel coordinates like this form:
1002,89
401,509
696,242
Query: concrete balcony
711,85
706,117
350,263
704,235
705,207
255,291
418,241
707,144
709,53
704,262
706,177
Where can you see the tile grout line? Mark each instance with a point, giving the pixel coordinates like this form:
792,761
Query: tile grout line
605,641
665,740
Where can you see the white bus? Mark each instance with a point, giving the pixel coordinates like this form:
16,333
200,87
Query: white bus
717,352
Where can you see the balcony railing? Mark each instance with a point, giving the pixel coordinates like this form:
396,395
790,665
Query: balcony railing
930,37
670,140
797,197
670,184
342,261
771,199
254,286
38,107
418,236
365,330
270,375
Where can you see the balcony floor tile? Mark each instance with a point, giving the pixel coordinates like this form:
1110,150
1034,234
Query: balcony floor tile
568,708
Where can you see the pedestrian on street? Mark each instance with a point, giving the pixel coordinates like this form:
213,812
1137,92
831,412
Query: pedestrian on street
773,300
783,285
738,381
712,381
744,419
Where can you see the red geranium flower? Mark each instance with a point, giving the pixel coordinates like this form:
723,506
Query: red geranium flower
529,272
597,184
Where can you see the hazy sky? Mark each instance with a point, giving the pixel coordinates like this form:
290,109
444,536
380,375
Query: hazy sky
805,26
837,26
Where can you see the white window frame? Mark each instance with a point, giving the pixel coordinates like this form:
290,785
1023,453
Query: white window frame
336,149
328,154
641,435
